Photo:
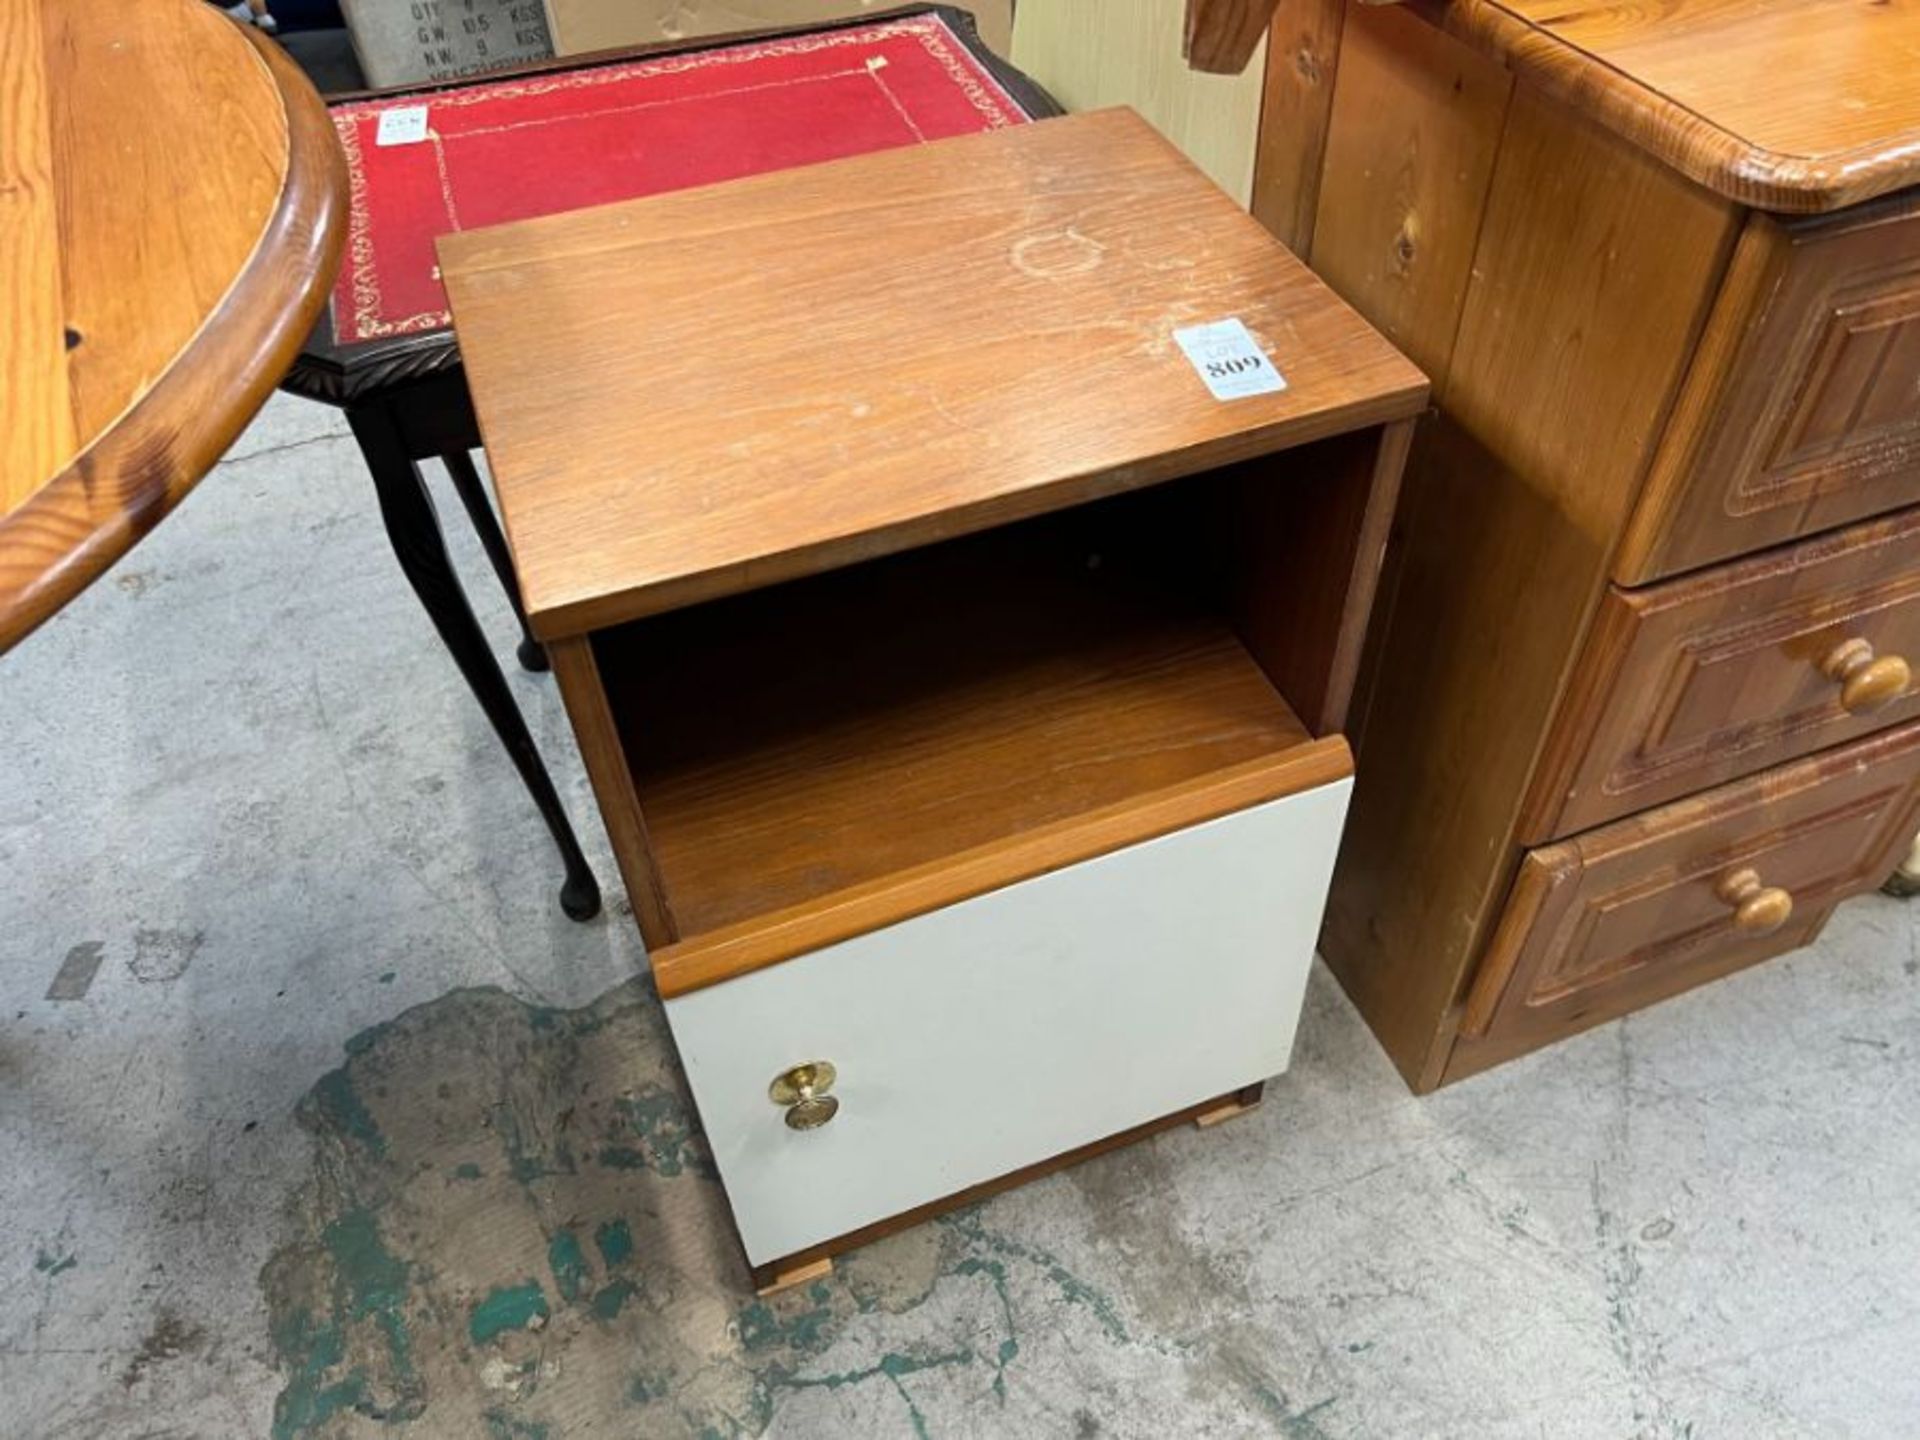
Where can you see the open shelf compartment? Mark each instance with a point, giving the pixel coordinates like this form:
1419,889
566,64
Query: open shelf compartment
792,746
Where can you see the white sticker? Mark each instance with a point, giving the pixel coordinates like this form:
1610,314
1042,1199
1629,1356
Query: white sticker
1229,359
404,125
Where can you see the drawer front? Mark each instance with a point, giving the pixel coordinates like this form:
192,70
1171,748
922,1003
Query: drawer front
1644,908
1702,680
1007,1029
1802,409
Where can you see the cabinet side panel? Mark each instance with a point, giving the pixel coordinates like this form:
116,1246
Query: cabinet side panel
1589,287
578,675
1304,558
1416,129
1303,49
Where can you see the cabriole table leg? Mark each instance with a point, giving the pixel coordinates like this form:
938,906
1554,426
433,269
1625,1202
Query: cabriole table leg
414,531
473,495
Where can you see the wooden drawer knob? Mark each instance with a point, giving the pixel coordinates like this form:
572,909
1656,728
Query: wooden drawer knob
1866,682
1757,909
803,1090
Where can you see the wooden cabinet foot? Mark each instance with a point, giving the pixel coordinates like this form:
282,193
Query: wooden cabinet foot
1904,883
1230,1108
771,1279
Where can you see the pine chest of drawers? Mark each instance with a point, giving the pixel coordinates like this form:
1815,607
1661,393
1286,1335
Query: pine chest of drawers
961,679
1637,709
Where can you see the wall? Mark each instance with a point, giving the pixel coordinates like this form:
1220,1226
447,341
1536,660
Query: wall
1092,53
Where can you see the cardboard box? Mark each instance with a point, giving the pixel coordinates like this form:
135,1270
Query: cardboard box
581,25
401,42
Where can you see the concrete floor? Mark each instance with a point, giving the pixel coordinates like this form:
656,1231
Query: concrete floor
318,1119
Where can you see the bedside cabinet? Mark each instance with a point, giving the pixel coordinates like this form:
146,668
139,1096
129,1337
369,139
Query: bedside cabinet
961,672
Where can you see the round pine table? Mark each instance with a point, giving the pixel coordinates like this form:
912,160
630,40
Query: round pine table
172,203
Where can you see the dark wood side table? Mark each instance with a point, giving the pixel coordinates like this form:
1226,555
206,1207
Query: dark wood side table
405,392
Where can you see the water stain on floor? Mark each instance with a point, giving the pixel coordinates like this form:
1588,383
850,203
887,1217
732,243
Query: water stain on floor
163,955
513,1229
169,1339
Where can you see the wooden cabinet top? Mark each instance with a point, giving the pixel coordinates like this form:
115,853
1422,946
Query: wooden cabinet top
1786,105
700,393
172,205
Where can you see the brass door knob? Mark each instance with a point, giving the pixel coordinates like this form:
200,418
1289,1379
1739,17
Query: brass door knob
1866,682
803,1090
1757,909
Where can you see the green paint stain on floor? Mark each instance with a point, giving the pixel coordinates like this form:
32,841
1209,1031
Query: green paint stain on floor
568,1263
578,1024
526,1162
1303,1426
375,1279
1010,1347
51,1265
502,1426
896,1367
669,1138
609,1299
615,1242
515,1105
309,1400
1078,1292
763,1326
361,1043
1071,1287
507,1307
341,1106
371,1284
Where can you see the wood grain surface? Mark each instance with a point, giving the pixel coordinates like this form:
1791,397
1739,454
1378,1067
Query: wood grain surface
1303,53
698,393
1223,34
1637,375
165,245
796,742
1802,409
740,949
1720,674
1301,539
1786,105
1417,123
576,672
1556,391
1639,910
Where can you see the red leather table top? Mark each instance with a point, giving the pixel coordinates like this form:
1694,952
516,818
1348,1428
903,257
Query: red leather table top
564,140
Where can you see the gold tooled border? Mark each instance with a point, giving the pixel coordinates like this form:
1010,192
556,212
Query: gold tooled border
972,79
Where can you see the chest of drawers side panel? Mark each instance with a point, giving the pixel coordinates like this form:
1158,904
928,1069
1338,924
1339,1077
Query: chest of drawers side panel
1590,282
